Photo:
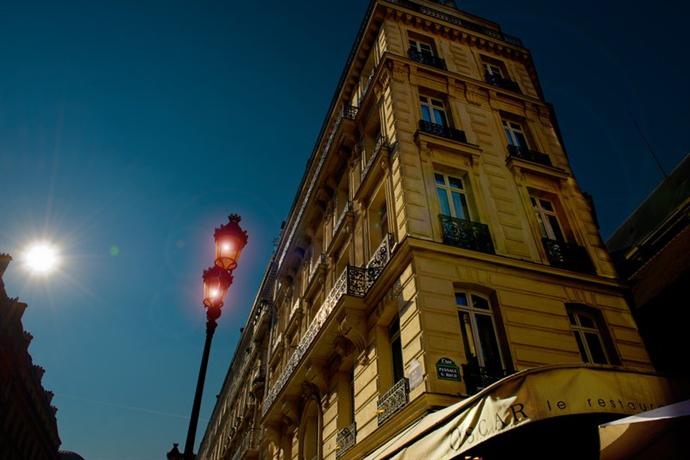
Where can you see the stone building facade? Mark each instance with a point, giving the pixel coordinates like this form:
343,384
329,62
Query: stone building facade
438,244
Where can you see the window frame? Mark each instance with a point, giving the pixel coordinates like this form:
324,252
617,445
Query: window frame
546,228
433,104
510,128
417,43
600,329
449,190
473,311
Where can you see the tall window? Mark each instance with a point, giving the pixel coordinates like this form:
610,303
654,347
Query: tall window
478,331
547,217
452,196
515,134
396,349
422,46
433,110
590,334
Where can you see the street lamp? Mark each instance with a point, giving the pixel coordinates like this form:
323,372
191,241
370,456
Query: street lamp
230,240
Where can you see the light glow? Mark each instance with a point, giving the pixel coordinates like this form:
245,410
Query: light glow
226,247
214,293
41,258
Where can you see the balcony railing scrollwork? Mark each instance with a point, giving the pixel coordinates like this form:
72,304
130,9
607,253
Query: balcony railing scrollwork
352,282
379,260
426,59
522,153
346,439
349,112
442,131
568,255
393,400
250,441
466,234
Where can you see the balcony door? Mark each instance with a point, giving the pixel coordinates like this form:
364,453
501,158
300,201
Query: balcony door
433,110
547,217
478,331
515,134
452,196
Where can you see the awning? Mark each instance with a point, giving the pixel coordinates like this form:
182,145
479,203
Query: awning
659,433
529,396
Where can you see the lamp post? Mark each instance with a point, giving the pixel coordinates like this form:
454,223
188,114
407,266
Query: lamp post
230,239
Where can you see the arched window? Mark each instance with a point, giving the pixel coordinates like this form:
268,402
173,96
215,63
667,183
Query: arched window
310,431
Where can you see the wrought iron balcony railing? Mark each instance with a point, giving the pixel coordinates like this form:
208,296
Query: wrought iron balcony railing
379,260
426,59
393,400
442,131
501,82
477,378
345,439
466,234
352,282
349,112
522,153
568,255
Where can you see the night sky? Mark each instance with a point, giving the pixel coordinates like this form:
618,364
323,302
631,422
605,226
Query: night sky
128,130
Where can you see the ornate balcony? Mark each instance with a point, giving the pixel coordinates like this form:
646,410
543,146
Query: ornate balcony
515,151
502,82
352,282
477,378
379,260
466,234
346,439
349,112
393,400
426,59
568,255
442,131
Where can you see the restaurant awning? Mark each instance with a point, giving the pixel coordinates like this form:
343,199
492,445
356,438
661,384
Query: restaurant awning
659,433
529,396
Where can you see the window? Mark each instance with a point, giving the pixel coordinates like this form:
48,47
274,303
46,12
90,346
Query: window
423,46
591,336
478,331
433,110
494,70
515,134
396,349
452,196
547,218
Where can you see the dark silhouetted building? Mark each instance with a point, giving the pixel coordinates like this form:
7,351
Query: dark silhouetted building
28,428
651,249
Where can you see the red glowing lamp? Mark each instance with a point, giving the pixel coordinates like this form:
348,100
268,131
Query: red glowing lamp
230,240
216,284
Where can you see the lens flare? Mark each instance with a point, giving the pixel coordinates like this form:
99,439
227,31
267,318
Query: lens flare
41,258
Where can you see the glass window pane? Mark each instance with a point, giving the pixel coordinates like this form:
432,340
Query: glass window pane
480,302
443,201
459,205
396,348
553,222
455,182
541,226
586,321
461,298
546,204
509,136
488,343
521,140
440,179
596,348
440,117
426,115
581,347
467,336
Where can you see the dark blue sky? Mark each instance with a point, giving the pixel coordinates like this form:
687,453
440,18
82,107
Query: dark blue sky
128,130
